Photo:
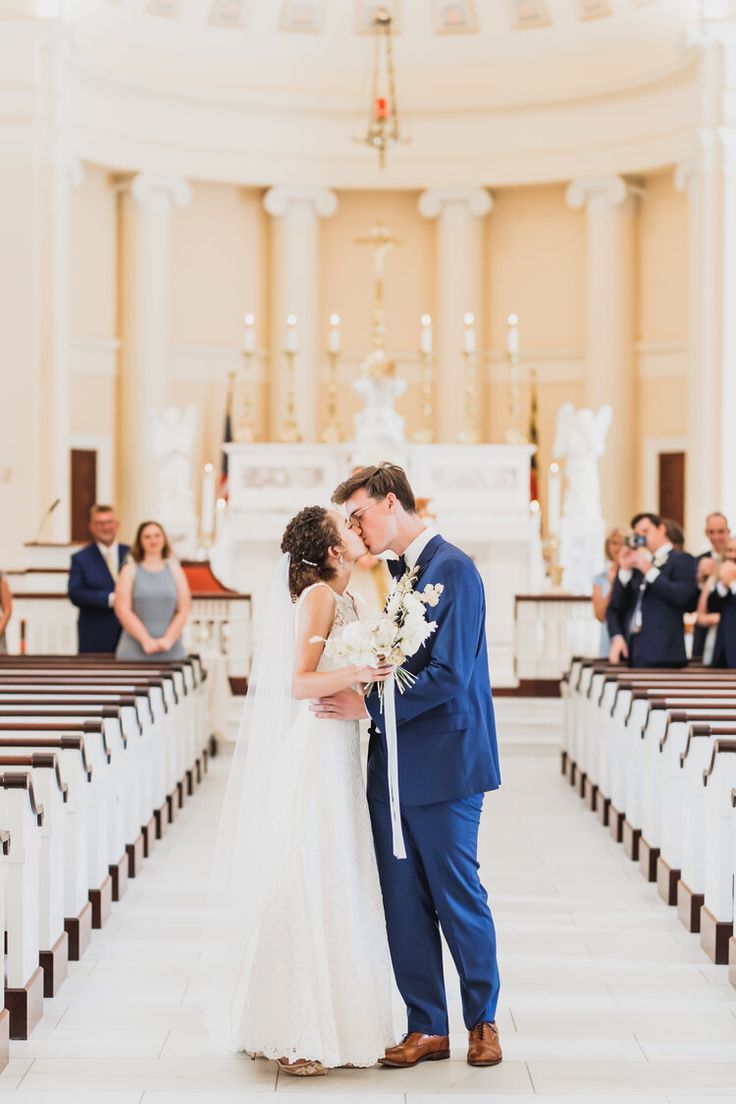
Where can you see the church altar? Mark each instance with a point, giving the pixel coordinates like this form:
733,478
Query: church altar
479,494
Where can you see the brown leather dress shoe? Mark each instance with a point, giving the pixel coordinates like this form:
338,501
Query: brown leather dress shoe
415,1048
484,1045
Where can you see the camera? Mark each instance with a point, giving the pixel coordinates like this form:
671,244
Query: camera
635,540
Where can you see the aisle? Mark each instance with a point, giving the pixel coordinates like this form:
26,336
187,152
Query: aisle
605,995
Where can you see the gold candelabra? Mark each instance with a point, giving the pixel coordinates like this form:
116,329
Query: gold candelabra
331,434
470,435
290,434
514,434
245,422
425,435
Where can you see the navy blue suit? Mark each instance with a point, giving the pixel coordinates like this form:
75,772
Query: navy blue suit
448,758
90,587
724,653
661,639
700,632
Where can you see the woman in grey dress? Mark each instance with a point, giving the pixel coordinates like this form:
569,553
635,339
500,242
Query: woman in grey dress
152,599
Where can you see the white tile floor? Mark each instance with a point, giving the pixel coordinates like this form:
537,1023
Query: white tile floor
605,997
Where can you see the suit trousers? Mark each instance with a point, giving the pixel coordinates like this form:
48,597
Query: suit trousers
437,886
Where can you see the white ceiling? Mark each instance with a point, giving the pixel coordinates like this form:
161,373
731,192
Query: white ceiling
521,51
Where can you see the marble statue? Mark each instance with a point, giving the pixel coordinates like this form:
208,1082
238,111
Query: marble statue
580,441
378,421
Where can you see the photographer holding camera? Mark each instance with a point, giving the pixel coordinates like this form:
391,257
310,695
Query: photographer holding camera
654,587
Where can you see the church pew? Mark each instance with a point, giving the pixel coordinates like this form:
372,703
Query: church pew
694,760
81,826
4,1014
23,816
53,940
719,778
732,941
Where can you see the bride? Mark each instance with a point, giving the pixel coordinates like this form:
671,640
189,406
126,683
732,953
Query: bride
295,966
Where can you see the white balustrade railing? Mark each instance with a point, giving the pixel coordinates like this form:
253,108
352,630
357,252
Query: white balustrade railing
549,630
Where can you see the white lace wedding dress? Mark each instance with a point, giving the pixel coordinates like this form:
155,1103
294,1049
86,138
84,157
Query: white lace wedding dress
320,983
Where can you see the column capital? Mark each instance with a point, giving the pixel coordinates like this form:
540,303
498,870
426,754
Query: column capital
278,200
435,201
610,191
150,190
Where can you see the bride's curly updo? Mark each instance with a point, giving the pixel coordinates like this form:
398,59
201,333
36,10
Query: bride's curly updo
308,538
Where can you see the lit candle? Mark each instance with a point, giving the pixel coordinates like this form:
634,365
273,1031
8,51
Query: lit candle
469,335
208,499
512,335
553,499
249,334
425,341
333,341
292,337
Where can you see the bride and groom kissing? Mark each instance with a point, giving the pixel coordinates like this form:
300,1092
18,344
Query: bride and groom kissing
309,906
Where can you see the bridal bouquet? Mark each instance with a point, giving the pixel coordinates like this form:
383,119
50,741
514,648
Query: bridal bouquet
393,637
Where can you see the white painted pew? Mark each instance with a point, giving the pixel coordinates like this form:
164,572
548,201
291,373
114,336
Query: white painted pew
719,778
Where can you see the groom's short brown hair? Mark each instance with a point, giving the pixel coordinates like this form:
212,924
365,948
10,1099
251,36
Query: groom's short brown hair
378,480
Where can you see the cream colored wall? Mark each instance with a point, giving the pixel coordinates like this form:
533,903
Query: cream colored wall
534,265
347,289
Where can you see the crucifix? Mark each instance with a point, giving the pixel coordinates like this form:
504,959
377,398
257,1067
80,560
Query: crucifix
382,241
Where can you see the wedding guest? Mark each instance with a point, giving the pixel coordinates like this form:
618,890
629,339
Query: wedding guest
722,605
654,587
6,609
93,574
718,534
602,583
152,599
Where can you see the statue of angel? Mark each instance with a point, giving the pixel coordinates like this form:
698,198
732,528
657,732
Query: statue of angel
580,440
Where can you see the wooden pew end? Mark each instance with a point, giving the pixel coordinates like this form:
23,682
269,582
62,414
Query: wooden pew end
648,857
615,824
563,762
149,837
119,875
590,794
732,960
25,1006
79,930
101,900
136,853
689,905
667,880
55,965
715,936
631,841
161,816
602,808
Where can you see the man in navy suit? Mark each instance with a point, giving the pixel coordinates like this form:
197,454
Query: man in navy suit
92,577
654,587
448,759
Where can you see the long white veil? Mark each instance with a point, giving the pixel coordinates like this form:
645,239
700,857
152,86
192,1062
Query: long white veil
249,833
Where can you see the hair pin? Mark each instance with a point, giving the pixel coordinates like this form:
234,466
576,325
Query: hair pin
310,563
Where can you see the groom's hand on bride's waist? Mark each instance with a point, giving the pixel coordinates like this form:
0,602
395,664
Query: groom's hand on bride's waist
347,705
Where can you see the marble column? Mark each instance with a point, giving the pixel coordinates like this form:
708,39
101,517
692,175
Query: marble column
458,290
709,180
147,202
295,290
610,207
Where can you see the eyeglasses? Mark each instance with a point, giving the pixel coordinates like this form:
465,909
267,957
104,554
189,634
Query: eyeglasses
353,520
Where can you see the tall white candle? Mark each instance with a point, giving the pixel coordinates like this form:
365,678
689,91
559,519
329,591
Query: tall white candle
292,336
333,341
469,334
208,500
425,339
249,334
512,335
554,498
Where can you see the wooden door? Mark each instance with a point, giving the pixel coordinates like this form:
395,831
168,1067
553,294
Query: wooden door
672,486
84,491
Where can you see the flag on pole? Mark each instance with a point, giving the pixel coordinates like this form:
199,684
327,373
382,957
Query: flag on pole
227,436
534,440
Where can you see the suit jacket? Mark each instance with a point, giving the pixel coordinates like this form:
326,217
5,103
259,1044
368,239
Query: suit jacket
700,632
446,727
90,587
724,653
661,640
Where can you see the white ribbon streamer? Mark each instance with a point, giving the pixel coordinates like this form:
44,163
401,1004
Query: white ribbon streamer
392,748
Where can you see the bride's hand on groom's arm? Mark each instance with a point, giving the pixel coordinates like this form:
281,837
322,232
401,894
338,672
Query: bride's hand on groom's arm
347,705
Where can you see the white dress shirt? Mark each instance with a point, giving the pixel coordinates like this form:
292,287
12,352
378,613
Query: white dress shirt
111,555
417,546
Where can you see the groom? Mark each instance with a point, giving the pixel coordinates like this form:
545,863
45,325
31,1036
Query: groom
448,758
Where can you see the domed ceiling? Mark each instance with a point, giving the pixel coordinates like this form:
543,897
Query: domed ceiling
449,54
